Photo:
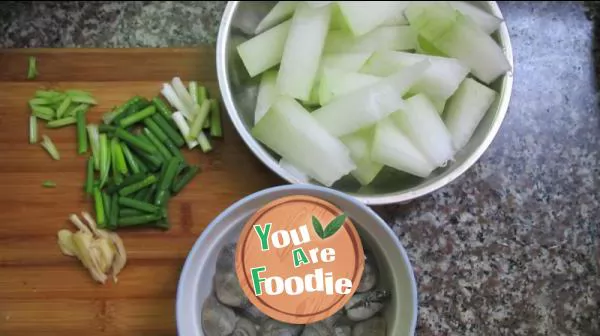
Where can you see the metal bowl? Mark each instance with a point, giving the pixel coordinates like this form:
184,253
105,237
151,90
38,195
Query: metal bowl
239,93
395,270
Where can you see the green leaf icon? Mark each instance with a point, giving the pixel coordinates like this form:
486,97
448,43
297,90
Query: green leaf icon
334,226
317,226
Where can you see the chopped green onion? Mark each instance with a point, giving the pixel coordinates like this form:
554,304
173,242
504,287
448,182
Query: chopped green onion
108,117
104,159
202,94
119,157
204,142
193,90
141,165
183,95
103,128
131,102
169,93
182,165
166,181
62,108
198,121
49,146
61,122
143,206
131,161
114,213
99,207
89,178
163,223
150,194
163,110
168,129
84,100
142,136
128,212
43,112
156,130
78,96
174,150
140,194
74,110
162,150
49,184
42,116
138,116
163,198
188,175
106,201
144,194
137,106
33,132
32,68
82,143
184,129
138,220
206,124
161,177
117,176
58,99
113,186
134,141
150,161
94,137
132,188
69,111
216,129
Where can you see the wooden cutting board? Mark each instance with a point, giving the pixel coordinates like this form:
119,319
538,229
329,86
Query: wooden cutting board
43,292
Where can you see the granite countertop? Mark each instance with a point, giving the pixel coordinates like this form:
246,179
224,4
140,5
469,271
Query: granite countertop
511,248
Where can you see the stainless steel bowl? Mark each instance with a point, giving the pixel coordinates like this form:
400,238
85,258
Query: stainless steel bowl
395,269
239,93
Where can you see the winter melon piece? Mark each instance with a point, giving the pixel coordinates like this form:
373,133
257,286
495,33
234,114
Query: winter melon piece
439,82
487,22
360,143
351,112
393,148
283,10
293,133
338,82
302,51
267,93
265,50
364,16
466,108
421,123
382,38
457,36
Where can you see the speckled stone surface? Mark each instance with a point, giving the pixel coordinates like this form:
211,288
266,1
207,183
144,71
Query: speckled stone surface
109,23
512,247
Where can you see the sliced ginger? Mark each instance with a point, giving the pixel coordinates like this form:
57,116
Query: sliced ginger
98,250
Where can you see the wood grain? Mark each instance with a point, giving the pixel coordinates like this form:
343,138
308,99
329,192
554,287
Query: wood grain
43,292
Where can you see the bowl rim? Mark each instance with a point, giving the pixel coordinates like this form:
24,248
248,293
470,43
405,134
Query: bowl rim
389,198
189,271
